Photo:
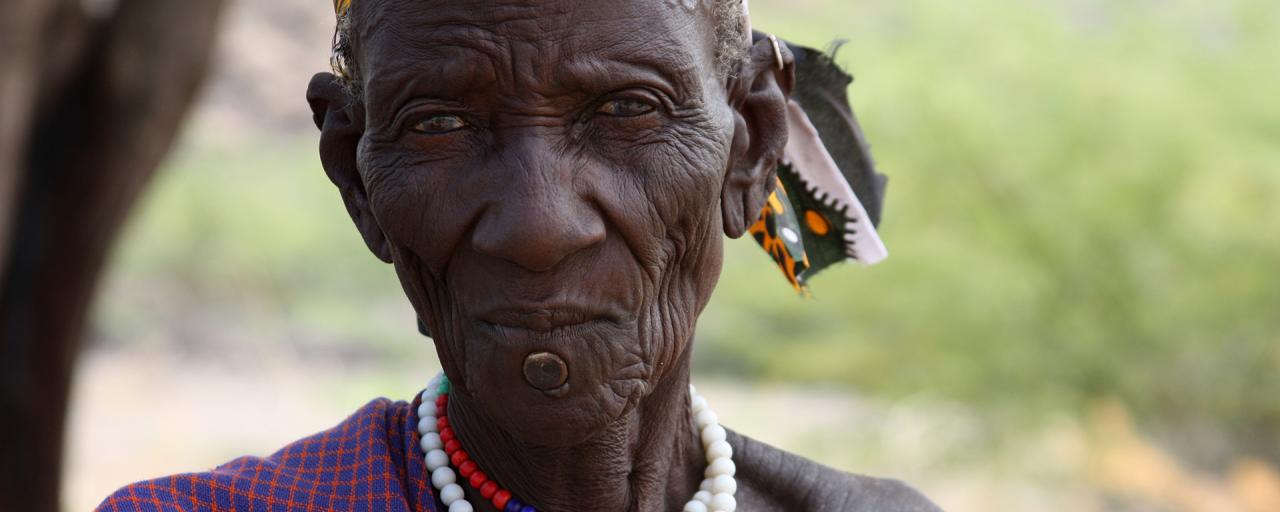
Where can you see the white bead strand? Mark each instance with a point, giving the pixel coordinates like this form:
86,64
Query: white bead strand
441,475
715,494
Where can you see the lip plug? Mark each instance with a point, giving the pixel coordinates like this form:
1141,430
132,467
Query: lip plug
545,371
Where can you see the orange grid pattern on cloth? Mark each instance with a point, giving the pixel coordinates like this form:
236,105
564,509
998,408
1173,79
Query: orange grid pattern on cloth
367,463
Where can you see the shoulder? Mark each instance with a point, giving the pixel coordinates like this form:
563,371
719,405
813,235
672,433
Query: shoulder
771,479
362,454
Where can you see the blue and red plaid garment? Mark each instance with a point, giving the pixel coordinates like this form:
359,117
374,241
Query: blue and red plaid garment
369,463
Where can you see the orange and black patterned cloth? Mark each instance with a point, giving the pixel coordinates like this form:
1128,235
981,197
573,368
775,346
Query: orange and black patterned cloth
827,197
368,463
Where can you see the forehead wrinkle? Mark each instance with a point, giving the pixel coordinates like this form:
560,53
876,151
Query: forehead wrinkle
453,51
381,13
665,49
427,40
409,20
533,35
507,50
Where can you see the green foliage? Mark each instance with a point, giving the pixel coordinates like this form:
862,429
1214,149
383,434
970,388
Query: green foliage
1083,203
254,234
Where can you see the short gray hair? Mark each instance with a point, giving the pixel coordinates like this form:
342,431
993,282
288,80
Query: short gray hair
731,42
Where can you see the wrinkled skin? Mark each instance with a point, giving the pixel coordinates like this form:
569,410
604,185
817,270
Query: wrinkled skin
556,176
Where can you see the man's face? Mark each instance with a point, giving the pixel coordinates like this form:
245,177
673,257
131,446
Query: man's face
547,175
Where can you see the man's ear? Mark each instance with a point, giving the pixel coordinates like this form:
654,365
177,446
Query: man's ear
340,119
758,92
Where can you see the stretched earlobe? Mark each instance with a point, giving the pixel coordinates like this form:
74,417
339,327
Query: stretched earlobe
340,119
758,91
748,183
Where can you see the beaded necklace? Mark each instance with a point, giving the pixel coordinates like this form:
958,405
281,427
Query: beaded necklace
443,451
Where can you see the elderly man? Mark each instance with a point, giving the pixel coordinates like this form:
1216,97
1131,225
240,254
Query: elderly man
551,180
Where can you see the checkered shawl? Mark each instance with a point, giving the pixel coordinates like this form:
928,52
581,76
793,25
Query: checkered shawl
370,463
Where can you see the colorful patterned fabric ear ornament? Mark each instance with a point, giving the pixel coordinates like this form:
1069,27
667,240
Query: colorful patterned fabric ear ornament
827,204
341,46
778,231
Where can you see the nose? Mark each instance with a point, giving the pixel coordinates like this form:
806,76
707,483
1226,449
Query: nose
540,219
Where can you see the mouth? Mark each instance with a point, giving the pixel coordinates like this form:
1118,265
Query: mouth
544,318
535,335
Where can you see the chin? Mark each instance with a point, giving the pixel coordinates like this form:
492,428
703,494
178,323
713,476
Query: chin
608,374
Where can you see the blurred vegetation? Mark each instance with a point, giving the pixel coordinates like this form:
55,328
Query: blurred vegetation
1083,204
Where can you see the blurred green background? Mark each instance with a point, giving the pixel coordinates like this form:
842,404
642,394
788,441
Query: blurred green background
1082,299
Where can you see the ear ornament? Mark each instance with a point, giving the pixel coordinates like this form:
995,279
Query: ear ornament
826,206
341,46
777,53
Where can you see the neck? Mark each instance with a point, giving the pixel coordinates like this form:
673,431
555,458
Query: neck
648,460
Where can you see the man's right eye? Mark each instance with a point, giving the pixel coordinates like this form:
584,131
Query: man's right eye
625,107
439,124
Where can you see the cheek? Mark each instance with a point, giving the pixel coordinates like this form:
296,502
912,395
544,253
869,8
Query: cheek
424,221
417,206
669,188
672,221
683,184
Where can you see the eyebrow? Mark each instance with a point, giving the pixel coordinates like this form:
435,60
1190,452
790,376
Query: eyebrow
424,77
467,66
578,73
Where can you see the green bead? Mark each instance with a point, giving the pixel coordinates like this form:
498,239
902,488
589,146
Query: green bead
444,386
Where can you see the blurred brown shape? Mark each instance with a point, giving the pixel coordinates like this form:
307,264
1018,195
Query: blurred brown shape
89,105
1126,463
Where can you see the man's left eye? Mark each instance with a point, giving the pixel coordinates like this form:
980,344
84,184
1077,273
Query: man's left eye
438,124
625,108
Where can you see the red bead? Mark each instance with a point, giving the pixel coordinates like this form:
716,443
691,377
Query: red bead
446,435
501,498
458,457
442,423
442,412
467,468
452,446
488,489
441,400
478,478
